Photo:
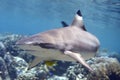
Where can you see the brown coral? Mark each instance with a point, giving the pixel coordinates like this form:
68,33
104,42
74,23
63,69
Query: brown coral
105,69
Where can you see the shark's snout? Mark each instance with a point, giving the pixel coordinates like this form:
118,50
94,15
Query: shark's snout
20,42
23,41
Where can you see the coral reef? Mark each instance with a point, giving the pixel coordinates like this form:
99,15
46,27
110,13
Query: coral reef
105,69
14,65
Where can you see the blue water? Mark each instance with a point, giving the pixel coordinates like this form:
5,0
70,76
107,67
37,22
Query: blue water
101,17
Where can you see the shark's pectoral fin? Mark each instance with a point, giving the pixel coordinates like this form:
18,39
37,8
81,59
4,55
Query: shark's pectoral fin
34,62
78,58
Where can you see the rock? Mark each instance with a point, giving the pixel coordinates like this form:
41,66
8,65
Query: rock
104,69
2,49
36,73
17,67
8,58
3,70
20,65
58,78
115,55
7,44
2,46
76,72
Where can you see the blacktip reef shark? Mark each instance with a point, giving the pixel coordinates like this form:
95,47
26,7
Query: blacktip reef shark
71,43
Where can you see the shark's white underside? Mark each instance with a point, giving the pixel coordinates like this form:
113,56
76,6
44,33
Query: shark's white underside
52,54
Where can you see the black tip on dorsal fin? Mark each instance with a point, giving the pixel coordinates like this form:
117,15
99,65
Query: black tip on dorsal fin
79,13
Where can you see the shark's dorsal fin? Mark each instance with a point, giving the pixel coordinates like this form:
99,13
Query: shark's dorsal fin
78,21
64,24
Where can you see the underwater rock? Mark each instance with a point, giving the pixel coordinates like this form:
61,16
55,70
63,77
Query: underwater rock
3,70
58,78
36,73
7,44
102,53
2,46
104,69
10,42
16,65
115,55
19,65
76,72
106,53
26,56
2,49
8,58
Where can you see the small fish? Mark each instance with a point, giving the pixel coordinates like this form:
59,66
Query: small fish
50,63
71,43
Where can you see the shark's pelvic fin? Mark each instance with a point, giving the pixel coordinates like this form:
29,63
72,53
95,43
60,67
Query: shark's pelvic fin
34,62
78,58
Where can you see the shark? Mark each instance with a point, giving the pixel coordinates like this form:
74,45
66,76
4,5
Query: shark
70,43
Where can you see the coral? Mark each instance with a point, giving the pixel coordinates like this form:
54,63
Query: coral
3,70
115,55
36,73
105,69
58,78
